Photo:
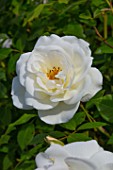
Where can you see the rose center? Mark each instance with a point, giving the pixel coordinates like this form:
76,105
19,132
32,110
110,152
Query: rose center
53,72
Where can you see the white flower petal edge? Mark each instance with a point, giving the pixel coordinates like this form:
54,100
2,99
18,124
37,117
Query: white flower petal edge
75,156
55,77
21,67
18,92
108,166
95,85
52,158
102,158
79,164
59,114
83,149
40,103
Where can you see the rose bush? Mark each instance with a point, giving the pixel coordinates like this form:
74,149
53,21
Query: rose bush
55,77
75,156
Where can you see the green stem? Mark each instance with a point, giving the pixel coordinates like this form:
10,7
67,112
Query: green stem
112,29
105,25
91,119
86,112
110,5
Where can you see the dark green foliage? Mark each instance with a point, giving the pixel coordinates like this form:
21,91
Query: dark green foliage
22,134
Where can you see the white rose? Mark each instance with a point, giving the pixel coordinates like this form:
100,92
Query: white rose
7,43
55,77
75,156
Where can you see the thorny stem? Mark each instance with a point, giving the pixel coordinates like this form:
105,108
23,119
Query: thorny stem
91,119
67,135
86,112
102,38
110,5
15,50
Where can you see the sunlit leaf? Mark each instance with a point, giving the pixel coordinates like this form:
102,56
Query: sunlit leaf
91,125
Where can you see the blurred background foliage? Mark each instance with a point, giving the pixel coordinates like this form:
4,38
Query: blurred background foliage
22,22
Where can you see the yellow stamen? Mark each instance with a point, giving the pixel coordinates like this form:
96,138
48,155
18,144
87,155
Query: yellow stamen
52,73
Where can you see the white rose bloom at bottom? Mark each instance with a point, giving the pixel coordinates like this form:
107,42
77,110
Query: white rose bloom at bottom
55,77
75,156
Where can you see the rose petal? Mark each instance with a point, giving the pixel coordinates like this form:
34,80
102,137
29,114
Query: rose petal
81,56
79,164
53,56
108,166
95,85
21,67
29,84
46,40
102,158
42,160
59,167
18,95
78,91
40,169
52,158
22,60
73,40
83,149
59,114
39,103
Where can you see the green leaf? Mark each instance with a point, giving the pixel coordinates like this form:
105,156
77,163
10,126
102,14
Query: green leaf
27,155
7,162
3,36
23,119
25,135
105,107
74,122
78,137
91,102
2,74
20,44
97,12
71,125
16,6
74,29
4,53
86,15
39,138
110,141
97,3
91,125
34,14
12,63
90,23
79,2
26,165
105,48
63,1
4,149
4,139
56,134
79,118
3,92
43,126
